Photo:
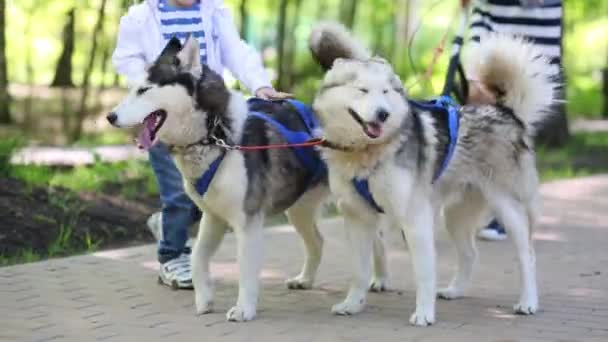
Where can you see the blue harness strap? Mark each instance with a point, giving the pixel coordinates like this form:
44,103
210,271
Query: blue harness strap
202,184
306,155
362,187
309,118
445,104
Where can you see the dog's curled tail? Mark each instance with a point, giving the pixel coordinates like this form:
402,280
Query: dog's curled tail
514,69
330,40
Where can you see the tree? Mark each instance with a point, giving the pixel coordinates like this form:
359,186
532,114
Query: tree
82,108
605,89
5,114
348,11
290,58
281,29
244,19
63,71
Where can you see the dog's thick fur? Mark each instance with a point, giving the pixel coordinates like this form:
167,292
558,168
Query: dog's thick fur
248,184
492,170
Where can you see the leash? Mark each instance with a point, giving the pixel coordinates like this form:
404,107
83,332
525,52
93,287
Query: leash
310,143
440,48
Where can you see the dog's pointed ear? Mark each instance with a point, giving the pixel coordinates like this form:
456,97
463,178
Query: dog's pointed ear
172,48
189,56
330,41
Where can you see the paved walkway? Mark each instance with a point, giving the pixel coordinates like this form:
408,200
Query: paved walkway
113,296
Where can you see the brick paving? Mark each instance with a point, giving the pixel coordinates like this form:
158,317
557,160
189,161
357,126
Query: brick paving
113,295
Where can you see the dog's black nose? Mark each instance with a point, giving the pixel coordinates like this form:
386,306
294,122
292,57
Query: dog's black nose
112,117
382,115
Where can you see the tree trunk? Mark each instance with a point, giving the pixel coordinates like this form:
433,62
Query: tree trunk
5,113
605,90
348,12
244,19
322,9
29,67
105,57
63,71
290,60
123,9
281,28
82,108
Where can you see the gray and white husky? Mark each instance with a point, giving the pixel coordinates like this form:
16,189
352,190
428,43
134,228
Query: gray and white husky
188,107
373,133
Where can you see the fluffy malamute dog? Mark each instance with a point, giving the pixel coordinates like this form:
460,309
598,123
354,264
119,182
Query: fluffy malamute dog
188,107
375,136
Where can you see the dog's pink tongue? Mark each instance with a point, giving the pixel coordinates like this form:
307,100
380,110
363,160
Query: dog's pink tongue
374,130
144,139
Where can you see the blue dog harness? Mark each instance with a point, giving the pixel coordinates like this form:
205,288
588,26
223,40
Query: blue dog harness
444,104
306,155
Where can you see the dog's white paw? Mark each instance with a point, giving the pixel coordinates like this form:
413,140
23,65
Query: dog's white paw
240,314
299,283
450,293
422,318
203,302
378,285
204,307
528,307
347,308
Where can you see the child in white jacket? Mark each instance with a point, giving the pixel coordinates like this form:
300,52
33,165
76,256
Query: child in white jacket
142,35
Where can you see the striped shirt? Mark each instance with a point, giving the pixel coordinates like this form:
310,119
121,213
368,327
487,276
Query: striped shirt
540,23
183,21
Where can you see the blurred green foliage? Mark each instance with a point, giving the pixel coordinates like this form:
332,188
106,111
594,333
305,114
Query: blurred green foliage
585,40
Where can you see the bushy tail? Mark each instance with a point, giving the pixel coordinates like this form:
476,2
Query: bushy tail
330,40
514,69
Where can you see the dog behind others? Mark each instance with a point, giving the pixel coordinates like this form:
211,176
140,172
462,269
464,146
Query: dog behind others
383,154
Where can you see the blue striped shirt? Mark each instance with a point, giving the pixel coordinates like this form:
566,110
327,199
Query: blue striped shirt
180,22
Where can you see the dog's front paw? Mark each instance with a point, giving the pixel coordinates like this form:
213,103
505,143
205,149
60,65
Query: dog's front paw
528,307
450,293
422,318
378,285
347,308
204,307
240,314
203,302
299,283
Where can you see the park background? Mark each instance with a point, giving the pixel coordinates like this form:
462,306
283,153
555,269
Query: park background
60,194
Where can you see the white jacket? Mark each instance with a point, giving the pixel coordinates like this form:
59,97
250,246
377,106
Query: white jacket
140,42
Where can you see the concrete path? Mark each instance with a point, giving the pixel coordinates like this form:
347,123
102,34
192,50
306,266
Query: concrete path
113,295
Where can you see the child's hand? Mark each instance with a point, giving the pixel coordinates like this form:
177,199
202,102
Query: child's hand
268,93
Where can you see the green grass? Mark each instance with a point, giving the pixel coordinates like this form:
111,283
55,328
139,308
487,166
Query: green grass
136,176
585,154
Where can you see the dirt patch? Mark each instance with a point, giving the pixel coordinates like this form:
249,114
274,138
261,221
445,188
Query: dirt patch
56,222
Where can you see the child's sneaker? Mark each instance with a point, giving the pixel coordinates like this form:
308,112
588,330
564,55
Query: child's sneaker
493,232
176,273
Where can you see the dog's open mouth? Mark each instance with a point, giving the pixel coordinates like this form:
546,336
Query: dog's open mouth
373,129
152,123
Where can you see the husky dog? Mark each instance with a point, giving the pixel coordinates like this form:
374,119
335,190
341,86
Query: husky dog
188,107
374,134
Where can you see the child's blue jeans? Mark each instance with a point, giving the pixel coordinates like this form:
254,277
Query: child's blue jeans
179,212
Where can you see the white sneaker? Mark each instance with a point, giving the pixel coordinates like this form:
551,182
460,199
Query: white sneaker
155,223
176,273
490,234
